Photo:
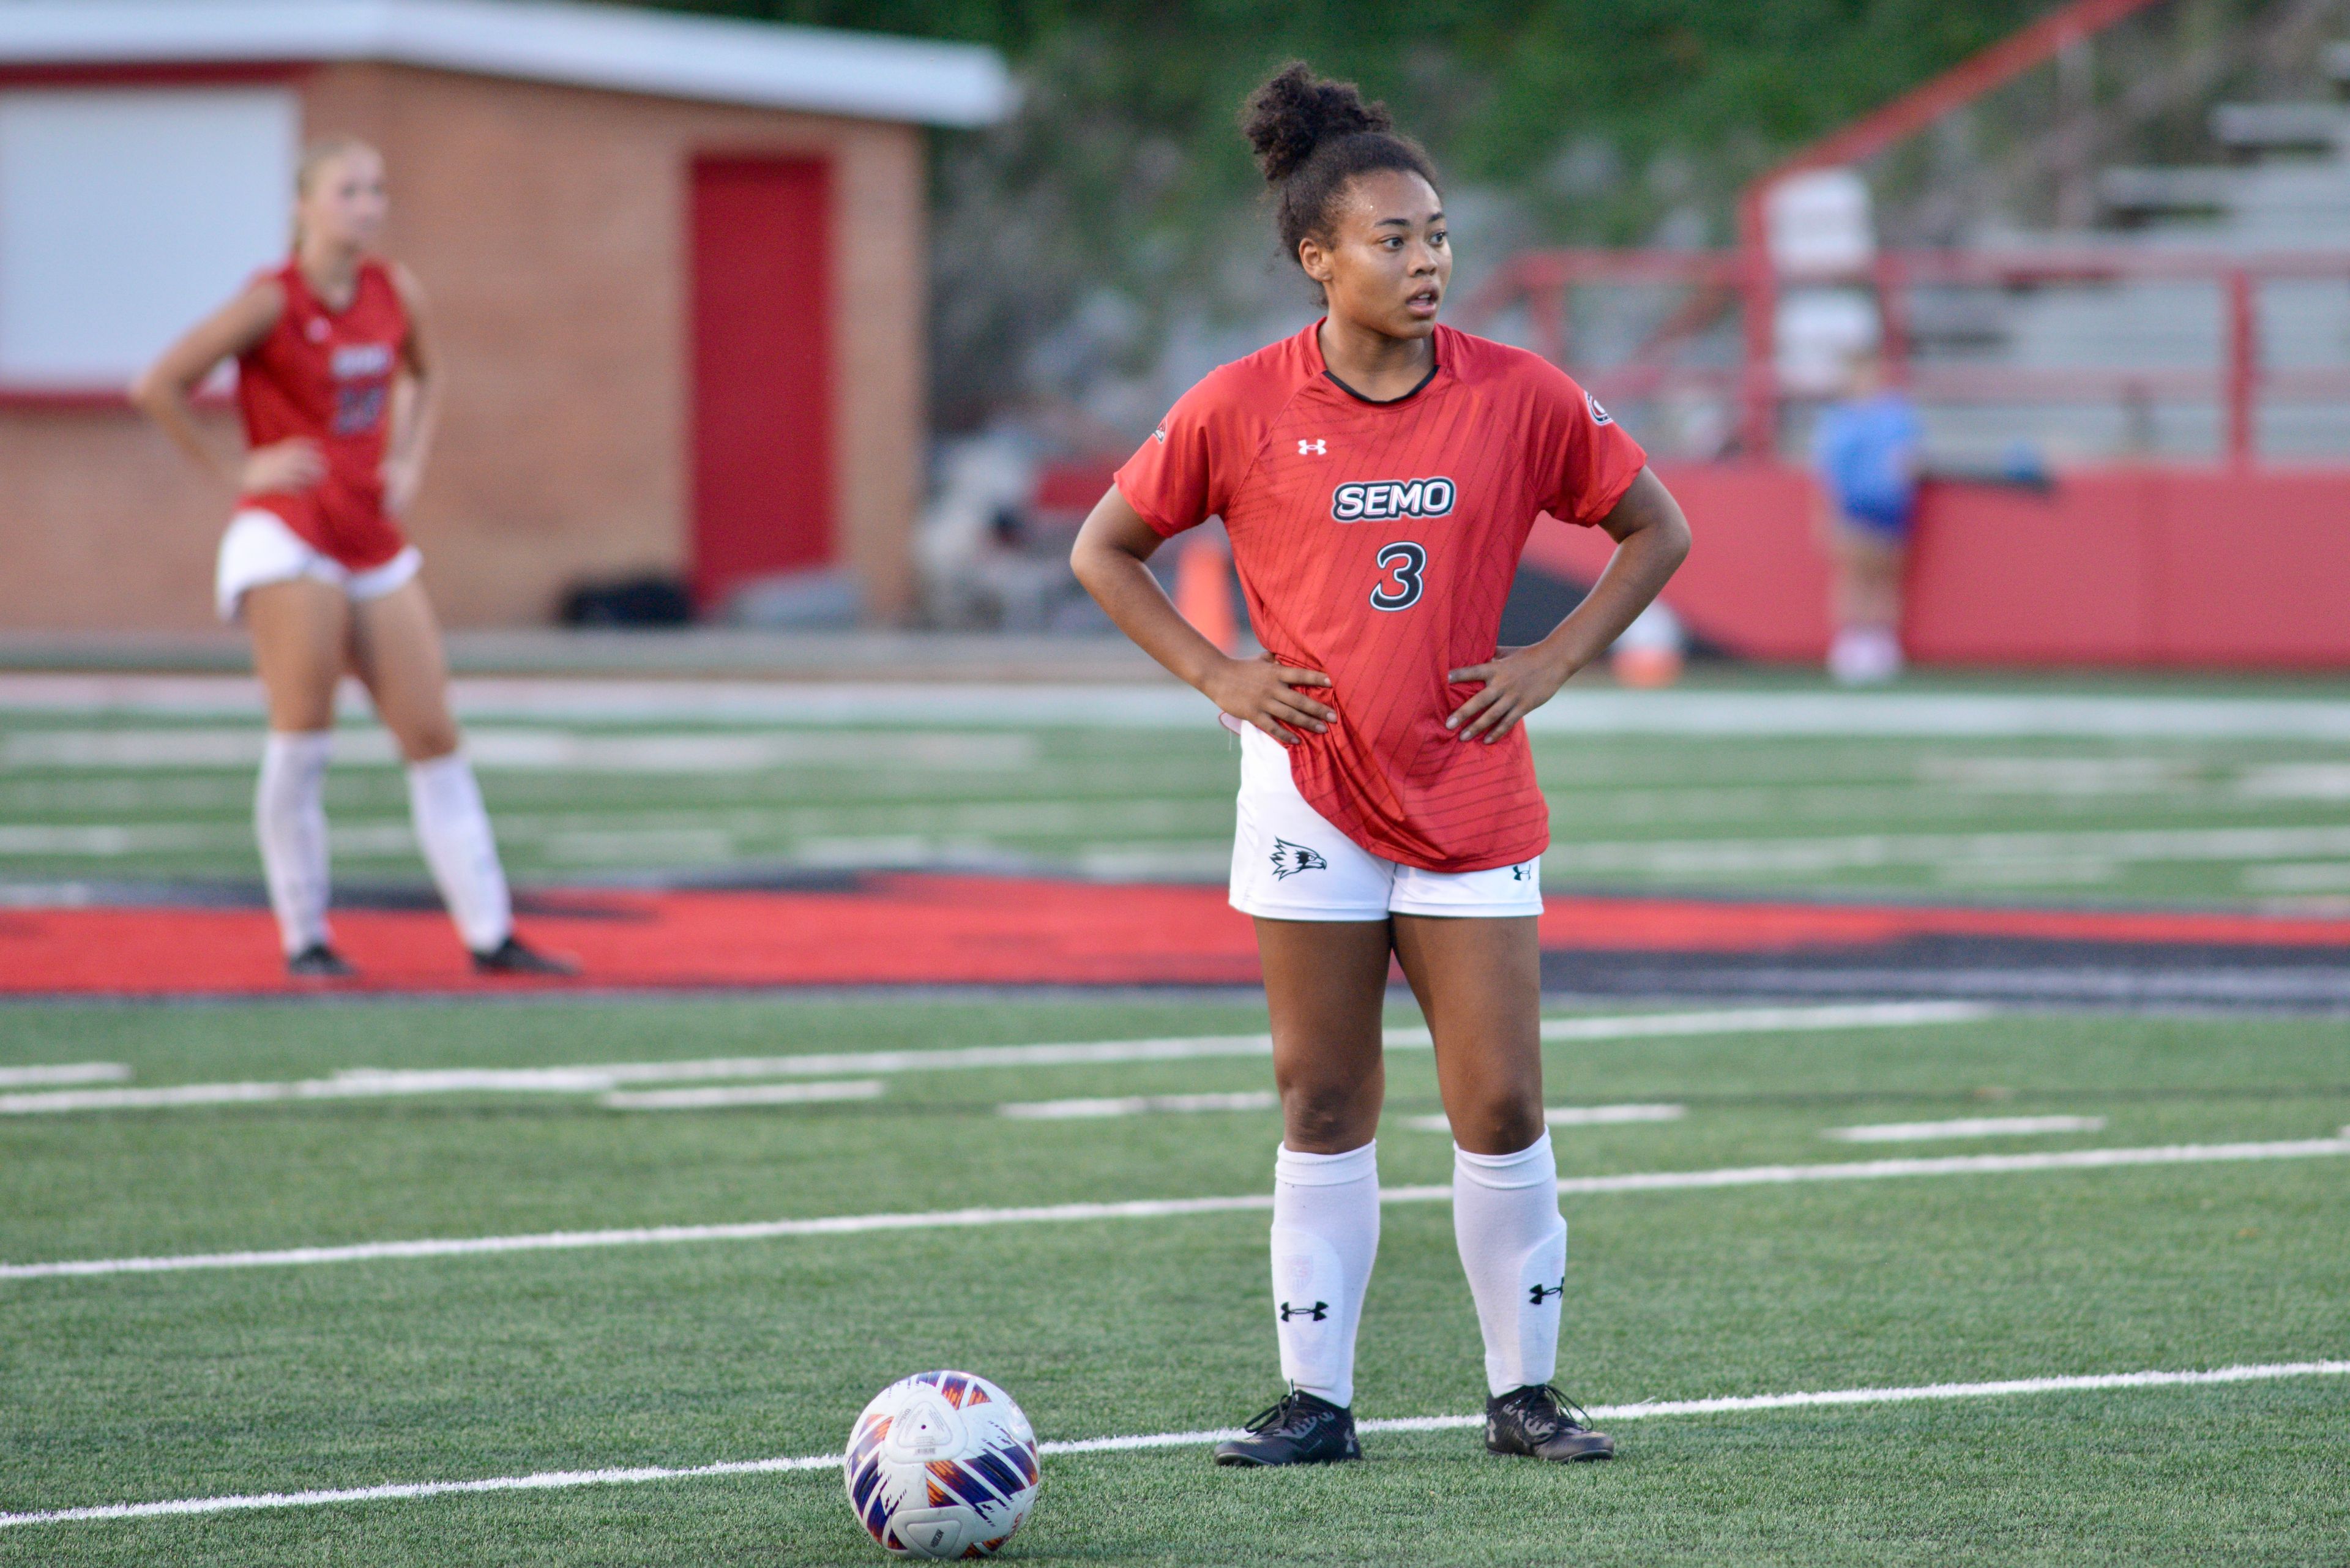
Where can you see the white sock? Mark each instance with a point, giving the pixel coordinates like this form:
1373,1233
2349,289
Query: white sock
453,827
289,818
1512,1244
1325,1234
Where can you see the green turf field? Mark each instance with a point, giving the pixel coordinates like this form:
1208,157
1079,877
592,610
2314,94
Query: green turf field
132,1388
2157,816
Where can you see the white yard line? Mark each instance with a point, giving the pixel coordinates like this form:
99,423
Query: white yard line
1163,705
745,1094
1168,1208
551,1481
1139,1105
367,1083
1964,1126
1575,1116
63,1073
494,750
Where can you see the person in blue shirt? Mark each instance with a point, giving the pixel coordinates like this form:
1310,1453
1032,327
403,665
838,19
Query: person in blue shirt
1865,452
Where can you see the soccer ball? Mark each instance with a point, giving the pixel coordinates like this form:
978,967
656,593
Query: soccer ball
941,1464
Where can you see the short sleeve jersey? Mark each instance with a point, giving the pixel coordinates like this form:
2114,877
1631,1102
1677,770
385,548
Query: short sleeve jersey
1376,542
326,375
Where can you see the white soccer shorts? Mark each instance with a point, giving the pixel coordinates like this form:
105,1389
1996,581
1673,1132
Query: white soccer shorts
1290,863
259,548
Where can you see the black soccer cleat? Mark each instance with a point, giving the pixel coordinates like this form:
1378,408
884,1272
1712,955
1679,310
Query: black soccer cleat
1539,1423
1300,1430
511,957
320,961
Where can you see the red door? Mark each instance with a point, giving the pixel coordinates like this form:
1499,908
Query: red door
762,370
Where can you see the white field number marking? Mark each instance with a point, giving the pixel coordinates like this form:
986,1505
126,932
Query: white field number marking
744,1095
1647,1409
366,1083
1964,1126
63,1073
1170,1208
1577,1117
1139,1105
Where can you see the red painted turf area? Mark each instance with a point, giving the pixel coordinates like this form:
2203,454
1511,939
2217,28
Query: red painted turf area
903,929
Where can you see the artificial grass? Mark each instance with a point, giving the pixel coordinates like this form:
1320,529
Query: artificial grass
1968,818
136,1388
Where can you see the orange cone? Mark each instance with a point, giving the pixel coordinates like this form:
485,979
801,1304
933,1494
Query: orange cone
1203,592
1649,652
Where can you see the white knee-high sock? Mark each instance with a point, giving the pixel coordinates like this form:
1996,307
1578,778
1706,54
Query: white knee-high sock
453,827
1513,1245
289,818
1325,1234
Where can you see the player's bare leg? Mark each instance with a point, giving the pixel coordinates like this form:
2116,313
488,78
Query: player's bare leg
299,628
1325,983
1870,569
1478,982
396,650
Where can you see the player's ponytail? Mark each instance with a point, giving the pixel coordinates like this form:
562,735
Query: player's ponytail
1312,135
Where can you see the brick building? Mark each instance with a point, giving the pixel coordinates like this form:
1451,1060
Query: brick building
676,267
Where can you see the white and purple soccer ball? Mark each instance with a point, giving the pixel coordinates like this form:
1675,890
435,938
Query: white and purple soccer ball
941,1464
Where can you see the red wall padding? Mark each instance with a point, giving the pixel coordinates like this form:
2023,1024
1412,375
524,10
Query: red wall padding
2114,566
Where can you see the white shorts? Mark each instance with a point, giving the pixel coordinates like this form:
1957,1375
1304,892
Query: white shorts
260,548
1290,863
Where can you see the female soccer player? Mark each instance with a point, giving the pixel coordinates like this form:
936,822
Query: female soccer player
1378,474
334,383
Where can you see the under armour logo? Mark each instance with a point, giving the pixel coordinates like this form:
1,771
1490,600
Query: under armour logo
1313,449
1159,435
1289,859
1541,1294
1522,873
1317,1312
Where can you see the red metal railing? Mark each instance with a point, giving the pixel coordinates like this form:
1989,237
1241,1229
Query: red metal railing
1539,283
2028,47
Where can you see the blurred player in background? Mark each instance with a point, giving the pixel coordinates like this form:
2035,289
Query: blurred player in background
1377,475
1865,450
334,382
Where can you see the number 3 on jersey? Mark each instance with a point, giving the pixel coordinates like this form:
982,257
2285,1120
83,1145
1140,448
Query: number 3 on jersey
1401,569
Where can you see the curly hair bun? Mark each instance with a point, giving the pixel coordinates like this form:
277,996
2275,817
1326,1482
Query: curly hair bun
1297,111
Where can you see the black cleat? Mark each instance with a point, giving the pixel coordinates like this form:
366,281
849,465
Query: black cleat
320,961
1537,1422
511,957
1300,1430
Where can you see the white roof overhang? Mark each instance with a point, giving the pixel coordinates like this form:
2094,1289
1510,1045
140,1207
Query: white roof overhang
817,70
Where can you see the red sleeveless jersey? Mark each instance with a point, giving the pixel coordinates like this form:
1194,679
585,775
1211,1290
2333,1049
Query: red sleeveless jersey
328,374
1377,543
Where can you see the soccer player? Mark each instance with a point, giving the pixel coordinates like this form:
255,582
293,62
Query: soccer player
1378,474
335,385
1864,451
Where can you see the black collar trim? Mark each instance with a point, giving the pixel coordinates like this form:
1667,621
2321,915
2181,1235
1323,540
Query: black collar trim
1384,402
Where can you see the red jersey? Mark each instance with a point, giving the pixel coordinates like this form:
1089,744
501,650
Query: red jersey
1376,542
328,374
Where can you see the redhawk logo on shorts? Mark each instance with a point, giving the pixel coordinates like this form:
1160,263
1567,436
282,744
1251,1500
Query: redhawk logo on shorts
1289,859
1383,499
